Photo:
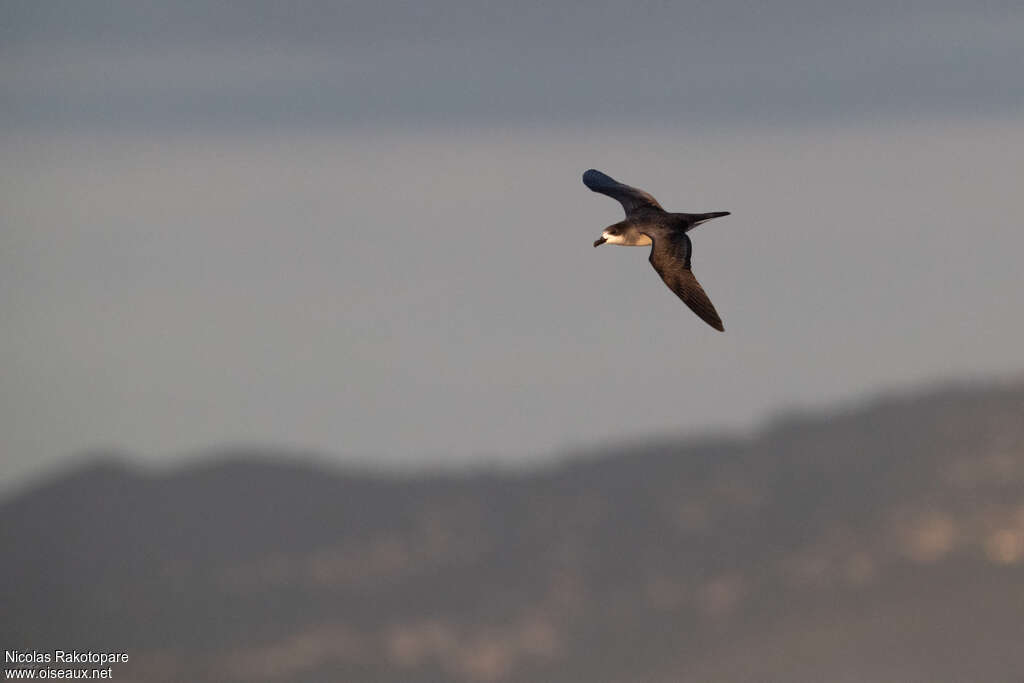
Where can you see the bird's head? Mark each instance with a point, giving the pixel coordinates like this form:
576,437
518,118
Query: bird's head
611,234
623,234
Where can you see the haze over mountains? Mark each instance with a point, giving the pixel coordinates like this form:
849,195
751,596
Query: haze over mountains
886,543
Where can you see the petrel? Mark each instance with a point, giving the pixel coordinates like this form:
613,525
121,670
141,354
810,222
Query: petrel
647,223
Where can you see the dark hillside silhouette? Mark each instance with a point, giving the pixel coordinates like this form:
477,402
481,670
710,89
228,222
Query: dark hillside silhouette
881,543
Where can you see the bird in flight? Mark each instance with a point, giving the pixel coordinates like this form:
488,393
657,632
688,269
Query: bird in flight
647,223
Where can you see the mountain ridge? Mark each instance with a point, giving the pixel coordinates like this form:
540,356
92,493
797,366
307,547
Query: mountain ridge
868,537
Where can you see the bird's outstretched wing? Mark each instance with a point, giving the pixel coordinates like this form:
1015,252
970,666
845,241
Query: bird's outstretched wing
630,197
670,256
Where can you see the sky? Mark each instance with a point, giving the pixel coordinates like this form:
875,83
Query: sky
358,228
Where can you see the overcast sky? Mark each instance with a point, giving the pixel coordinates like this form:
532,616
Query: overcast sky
359,229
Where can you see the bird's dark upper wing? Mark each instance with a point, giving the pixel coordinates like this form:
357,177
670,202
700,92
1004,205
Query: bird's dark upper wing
670,256
630,197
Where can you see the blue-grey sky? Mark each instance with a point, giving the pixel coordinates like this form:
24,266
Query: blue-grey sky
455,62
358,228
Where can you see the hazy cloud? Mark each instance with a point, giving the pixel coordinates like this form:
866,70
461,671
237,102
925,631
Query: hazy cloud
455,62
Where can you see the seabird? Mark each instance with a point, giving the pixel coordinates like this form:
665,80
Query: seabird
647,223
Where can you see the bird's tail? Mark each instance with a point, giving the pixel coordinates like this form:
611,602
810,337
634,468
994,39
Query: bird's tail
698,218
701,217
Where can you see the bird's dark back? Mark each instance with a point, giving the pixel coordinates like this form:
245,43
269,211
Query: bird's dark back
661,219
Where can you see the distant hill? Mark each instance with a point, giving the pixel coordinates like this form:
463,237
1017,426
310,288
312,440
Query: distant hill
884,543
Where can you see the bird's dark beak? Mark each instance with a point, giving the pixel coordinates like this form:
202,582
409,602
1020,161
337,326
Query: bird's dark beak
599,241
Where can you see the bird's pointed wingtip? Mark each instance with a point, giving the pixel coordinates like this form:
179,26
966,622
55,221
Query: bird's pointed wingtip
597,181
